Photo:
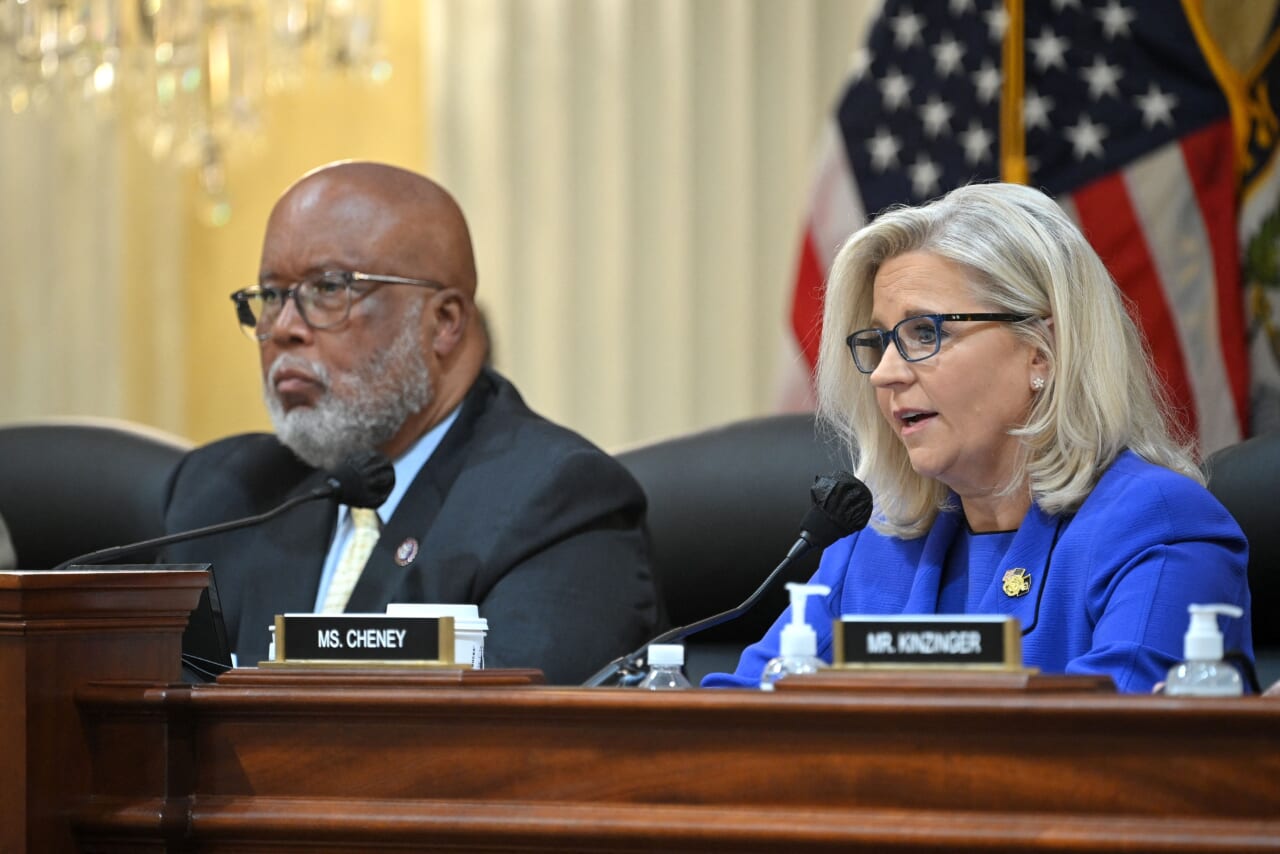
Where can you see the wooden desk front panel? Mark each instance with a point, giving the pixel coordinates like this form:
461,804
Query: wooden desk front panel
441,768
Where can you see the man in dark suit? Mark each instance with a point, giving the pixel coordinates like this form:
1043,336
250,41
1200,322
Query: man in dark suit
369,337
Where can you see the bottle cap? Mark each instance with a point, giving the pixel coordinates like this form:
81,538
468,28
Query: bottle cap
1203,641
666,655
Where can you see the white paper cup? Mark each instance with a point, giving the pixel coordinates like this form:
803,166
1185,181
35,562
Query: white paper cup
469,628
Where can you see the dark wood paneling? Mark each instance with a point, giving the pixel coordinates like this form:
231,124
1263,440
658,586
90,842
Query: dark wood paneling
57,631
104,751
532,768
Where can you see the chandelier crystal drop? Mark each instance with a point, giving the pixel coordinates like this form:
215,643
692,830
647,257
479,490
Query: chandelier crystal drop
196,73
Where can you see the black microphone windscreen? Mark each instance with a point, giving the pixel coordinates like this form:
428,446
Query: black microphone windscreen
841,505
363,480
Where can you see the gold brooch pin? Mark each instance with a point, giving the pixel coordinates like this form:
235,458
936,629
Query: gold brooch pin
1017,582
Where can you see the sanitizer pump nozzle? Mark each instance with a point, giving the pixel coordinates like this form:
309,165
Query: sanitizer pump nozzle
798,646
1204,673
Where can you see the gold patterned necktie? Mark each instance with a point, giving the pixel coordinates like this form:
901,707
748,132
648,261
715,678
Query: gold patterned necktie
356,554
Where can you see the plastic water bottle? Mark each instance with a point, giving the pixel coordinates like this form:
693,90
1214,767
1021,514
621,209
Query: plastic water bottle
798,646
666,668
1204,673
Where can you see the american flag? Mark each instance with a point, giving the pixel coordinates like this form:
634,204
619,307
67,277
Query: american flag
1123,118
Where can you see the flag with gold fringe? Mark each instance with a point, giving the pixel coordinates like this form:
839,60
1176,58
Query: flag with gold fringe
1131,114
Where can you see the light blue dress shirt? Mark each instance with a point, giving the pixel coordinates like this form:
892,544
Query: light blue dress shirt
407,467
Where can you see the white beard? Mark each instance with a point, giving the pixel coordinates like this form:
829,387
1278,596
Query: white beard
359,410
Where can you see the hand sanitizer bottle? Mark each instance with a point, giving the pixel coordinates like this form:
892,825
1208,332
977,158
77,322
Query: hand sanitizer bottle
798,648
1204,673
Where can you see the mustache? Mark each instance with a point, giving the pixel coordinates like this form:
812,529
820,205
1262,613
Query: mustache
292,361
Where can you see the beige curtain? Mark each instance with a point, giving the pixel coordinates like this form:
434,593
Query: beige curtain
635,174
115,283
634,171
91,258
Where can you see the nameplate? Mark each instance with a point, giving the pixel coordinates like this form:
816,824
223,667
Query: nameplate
363,639
916,640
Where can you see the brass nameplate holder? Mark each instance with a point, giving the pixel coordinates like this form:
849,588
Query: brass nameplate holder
920,641
362,640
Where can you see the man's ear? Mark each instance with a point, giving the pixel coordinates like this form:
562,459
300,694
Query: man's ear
451,312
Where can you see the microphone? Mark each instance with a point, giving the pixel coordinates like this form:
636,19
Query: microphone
841,505
364,479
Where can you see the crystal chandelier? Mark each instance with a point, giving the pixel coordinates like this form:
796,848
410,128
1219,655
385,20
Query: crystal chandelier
196,72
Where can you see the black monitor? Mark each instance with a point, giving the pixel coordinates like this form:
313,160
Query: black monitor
205,652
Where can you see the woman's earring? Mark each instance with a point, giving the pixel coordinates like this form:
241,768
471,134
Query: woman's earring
1037,383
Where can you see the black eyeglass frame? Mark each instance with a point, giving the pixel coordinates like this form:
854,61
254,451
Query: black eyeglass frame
348,280
887,335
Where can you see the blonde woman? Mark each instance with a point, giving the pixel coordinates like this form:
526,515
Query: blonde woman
979,357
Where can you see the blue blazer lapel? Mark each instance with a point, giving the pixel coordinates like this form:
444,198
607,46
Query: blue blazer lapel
1030,553
923,598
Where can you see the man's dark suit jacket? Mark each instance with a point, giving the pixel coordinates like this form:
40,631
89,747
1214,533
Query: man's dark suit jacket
524,518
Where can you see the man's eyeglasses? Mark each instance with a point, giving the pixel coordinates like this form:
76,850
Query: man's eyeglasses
917,338
323,301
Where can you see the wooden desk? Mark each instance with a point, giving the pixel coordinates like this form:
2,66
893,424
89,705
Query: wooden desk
329,762
335,766
57,631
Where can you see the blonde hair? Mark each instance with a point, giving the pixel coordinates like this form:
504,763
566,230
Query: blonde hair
1023,256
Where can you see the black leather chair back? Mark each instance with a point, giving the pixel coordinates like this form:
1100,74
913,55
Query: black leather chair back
73,486
1246,478
724,507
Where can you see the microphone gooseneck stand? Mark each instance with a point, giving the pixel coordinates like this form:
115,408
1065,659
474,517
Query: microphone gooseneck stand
629,669
363,480
841,505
